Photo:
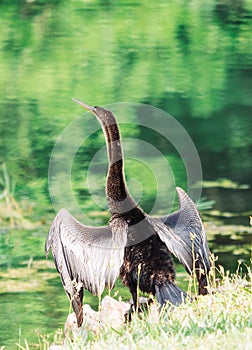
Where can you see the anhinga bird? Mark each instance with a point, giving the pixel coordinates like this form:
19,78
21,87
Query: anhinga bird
133,245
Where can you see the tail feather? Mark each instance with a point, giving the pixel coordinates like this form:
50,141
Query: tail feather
169,292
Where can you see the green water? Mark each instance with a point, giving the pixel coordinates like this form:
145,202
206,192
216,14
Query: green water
191,59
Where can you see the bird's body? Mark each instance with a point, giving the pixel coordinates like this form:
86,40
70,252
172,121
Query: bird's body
146,264
133,245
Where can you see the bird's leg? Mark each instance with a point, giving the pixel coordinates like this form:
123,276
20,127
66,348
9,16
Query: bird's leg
203,284
135,298
133,307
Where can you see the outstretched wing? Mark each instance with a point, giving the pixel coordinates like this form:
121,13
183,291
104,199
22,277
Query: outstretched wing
184,234
86,257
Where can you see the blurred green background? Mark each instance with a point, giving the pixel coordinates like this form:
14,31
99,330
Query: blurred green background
192,59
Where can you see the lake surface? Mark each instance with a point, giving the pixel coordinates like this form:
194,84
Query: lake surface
186,59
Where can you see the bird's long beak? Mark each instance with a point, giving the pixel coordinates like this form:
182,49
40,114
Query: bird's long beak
84,105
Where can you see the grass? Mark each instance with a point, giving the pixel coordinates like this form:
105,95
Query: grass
220,320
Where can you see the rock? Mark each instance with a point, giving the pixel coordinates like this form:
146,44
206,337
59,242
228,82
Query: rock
112,314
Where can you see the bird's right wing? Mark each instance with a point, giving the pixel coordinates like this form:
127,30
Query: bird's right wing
85,257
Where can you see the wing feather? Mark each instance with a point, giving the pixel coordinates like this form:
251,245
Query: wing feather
86,257
184,235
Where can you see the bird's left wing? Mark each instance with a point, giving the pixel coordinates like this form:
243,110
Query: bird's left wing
184,235
186,223
85,257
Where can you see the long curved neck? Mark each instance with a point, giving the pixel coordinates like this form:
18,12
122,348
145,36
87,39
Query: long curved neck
118,197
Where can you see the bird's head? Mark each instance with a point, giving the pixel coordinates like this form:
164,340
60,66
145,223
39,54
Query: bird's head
104,116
